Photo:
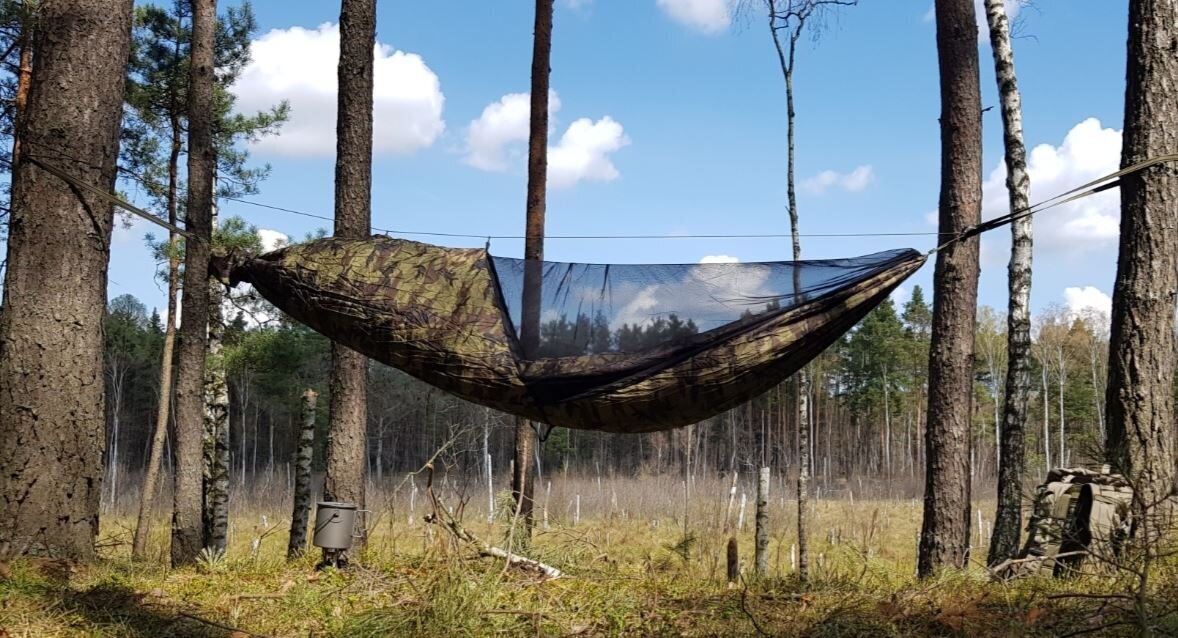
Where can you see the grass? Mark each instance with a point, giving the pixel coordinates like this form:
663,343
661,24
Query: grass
626,576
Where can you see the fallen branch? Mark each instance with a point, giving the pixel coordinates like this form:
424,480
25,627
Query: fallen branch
441,516
997,571
211,623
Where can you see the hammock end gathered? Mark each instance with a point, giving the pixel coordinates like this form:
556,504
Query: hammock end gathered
227,266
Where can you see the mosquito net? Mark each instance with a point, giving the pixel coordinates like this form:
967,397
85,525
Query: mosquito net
629,308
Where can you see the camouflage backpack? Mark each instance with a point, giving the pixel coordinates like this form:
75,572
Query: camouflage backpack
1077,514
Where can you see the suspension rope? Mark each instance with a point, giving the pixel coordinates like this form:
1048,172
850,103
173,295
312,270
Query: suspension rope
1084,190
1093,187
111,198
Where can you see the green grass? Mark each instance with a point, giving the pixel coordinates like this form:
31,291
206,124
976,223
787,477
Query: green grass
625,577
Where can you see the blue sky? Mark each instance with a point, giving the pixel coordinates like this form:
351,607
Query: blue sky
671,121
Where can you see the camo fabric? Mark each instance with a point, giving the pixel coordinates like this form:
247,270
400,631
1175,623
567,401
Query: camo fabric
437,314
1076,513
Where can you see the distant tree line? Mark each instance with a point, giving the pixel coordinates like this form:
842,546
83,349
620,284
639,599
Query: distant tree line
868,396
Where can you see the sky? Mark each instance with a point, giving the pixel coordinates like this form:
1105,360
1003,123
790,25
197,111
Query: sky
668,118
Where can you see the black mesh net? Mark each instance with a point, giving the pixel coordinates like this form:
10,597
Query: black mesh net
611,308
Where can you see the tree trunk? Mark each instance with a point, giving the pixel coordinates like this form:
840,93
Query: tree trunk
216,426
187,523
1063,380
802,381
1140,404
302,491
23,78
52,405
523,478
347,434
1008,520
762,529
1046,419
944,538
160,432
118,379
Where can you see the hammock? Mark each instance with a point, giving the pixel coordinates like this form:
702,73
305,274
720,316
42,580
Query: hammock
620,348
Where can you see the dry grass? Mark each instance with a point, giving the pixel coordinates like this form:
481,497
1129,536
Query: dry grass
632,571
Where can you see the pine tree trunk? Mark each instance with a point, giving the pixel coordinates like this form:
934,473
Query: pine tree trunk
302,491
523,477
187,523
944,538
52,405
1004,540
1140,404
348,430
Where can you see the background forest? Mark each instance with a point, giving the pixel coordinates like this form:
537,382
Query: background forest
868,399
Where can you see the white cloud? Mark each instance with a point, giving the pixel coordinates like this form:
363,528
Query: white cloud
708,16
709,293
1086,300
852,182
584,152
1088,151
719,259
299,65
502,124
494,142
272,239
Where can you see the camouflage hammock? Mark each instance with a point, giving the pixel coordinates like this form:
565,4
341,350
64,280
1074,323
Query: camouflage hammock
621,348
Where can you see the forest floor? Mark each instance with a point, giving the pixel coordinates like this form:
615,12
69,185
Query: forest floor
623,576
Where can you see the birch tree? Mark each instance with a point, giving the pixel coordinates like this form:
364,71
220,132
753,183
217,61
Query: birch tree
789,17
302,493
1012,436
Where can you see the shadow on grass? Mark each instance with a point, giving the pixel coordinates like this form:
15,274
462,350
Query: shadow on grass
43,590
121,611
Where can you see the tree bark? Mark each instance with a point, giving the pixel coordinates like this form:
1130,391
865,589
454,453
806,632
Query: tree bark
1140,405
762,529
215,514
302,491
187,523
348,430
52,405
1004,540
24,76
523,477
944,538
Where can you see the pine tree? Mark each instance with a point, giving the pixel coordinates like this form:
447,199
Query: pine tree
153,147
944,538
1140,399
51,341
523,481
348,434
187,493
